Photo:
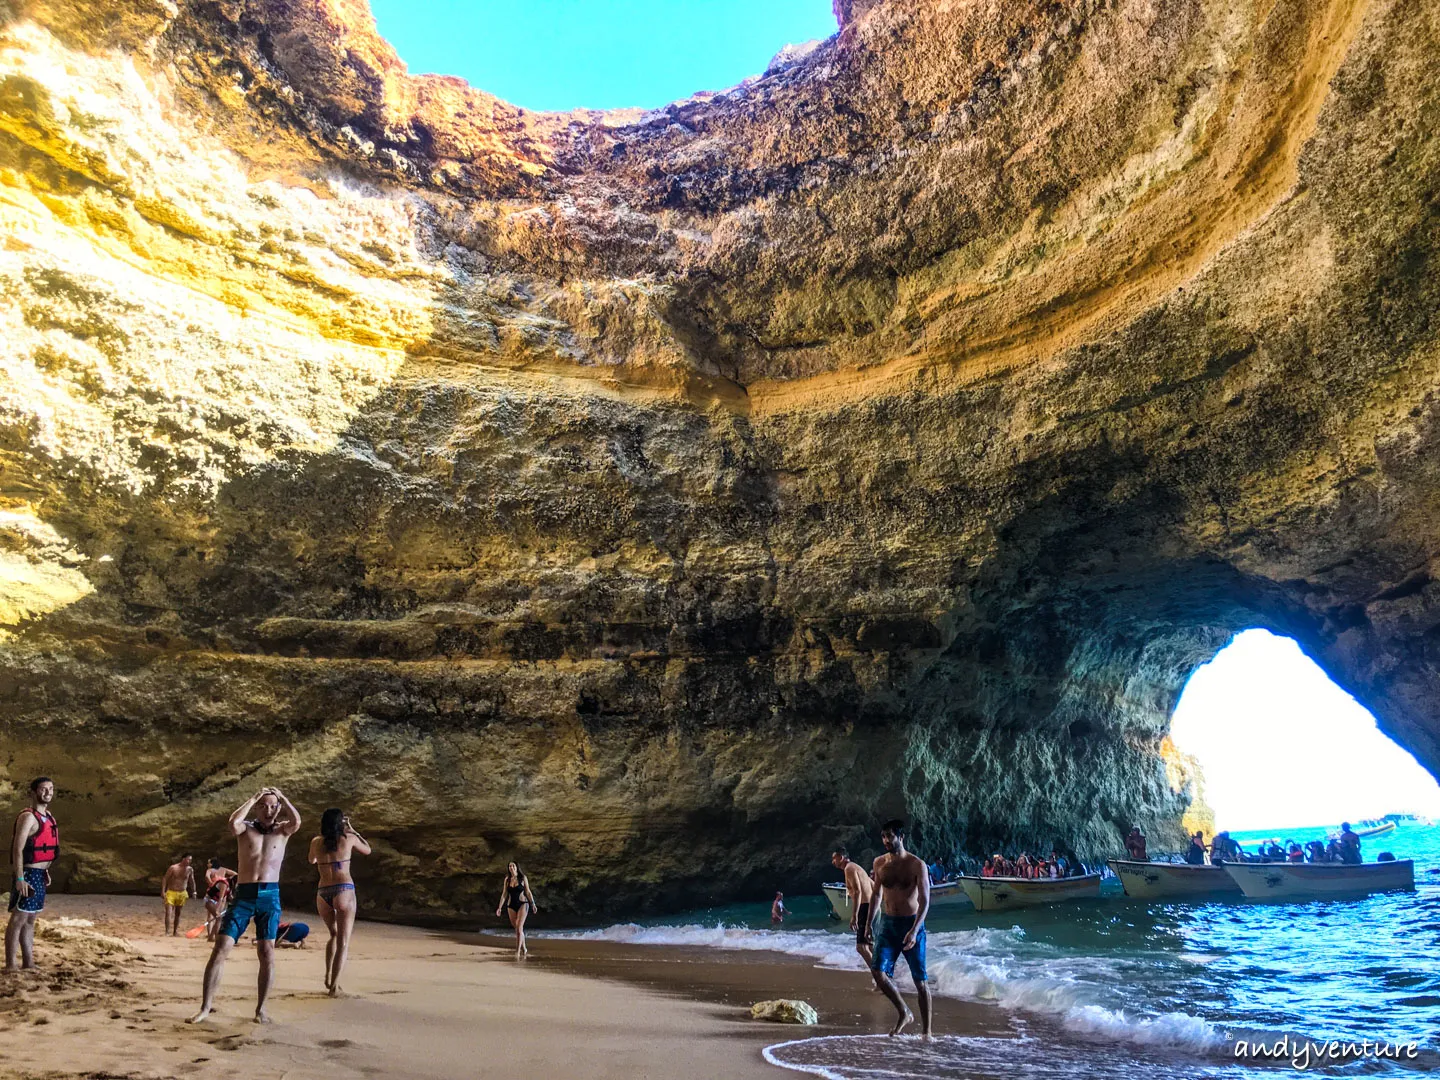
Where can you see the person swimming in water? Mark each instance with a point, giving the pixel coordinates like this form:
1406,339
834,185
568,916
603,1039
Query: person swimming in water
335,900
517,899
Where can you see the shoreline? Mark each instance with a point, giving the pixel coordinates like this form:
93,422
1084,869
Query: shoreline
737,978
112,994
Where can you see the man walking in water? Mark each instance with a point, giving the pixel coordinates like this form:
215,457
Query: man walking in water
903,884
33,847
262,841
859,890
177,886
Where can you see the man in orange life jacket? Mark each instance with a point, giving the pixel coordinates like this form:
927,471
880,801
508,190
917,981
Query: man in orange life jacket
33,847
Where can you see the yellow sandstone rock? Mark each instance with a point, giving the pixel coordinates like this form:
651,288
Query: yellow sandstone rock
660,497
785,1011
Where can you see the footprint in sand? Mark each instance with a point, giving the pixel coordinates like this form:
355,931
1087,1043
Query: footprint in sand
336,1044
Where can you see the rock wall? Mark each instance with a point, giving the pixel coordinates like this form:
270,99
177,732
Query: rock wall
658,498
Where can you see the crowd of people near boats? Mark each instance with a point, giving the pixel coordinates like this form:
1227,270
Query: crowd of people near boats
1025,865
1343,847
1061,863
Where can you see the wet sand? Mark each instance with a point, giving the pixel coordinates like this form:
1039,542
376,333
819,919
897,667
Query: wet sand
419,1004
731,980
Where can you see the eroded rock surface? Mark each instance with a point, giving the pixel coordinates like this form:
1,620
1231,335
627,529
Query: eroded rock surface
658,498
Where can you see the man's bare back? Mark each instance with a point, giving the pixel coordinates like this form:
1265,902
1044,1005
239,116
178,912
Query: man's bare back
858,884
901,878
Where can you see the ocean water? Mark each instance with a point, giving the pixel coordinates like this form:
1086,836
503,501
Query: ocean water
1119,987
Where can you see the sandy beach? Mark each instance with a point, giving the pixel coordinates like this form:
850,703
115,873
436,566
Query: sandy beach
113,994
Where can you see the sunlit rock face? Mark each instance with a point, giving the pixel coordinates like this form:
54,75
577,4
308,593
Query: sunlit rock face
660,498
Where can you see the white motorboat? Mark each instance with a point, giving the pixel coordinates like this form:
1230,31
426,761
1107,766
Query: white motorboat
947,892
1001,893
1320,881
1367,828
1173,881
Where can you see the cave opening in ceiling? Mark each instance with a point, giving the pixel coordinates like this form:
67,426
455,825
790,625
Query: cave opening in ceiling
557,55
1280,745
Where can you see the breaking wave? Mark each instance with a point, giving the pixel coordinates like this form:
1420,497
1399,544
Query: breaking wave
985,964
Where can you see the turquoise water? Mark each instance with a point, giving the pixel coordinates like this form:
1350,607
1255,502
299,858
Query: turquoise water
1119,987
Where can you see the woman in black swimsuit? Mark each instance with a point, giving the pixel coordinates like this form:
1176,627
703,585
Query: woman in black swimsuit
517,899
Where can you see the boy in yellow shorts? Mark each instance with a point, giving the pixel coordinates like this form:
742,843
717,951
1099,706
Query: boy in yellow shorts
177,886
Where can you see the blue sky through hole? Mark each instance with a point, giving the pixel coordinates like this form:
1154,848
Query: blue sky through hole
1282,746
597,54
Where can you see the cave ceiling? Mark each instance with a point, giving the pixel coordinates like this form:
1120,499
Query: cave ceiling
661,496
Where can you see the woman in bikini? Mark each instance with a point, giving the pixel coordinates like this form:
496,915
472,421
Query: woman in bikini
517,899
331,853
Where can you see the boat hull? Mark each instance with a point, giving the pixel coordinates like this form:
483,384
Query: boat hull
1003,893
1320,881
941,895
1173,881
1375,830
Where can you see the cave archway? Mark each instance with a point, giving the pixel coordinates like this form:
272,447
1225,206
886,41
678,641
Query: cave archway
1281,745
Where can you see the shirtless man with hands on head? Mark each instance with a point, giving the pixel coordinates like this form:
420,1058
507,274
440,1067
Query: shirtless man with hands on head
262,839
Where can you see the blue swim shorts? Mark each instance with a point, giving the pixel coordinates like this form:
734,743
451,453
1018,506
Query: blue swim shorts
258,900
890,933
35,878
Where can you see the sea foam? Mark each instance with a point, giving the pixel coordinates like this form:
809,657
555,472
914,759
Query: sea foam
985,964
